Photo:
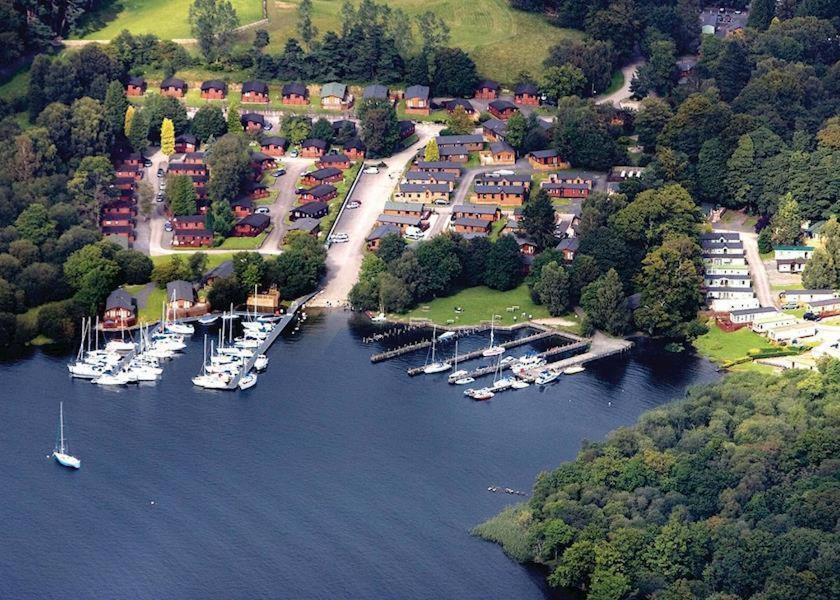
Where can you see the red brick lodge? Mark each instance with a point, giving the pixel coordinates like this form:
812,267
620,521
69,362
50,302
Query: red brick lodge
214,89
174,87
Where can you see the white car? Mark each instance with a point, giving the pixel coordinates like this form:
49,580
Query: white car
371,170
354,204
339,238
262,210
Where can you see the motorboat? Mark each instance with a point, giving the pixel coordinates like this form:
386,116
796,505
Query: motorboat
518,384
244,342
380,318
211,381
140,373
84,370
435,366
507,360
456,375
247,381
261,362
482,394
464,380
62,451
574,369
118,378
268,319
208,319
180,328
503,384
547,377
446,335
229,316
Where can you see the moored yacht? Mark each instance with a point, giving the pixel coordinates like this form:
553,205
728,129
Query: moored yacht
62,452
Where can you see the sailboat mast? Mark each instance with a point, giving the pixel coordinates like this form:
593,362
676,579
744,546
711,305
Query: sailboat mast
61,427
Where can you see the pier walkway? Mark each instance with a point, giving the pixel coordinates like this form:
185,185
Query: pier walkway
602,346
275,333
490,369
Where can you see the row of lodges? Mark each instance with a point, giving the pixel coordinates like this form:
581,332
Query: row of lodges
191,231
118,215
181,301
783,327
727,284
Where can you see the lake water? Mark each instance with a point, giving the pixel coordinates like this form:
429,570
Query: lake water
331,478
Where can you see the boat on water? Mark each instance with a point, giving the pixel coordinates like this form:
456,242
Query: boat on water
457,373
505,383
180,328
61,453
446,335
261,362
464,380
380,318
574,369
211,381
247,381
208,319
119,346
492,349
435,366
518,384
268,319
482,394
547,377
118,378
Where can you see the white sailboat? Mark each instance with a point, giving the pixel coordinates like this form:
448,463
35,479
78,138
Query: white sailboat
62,452
208,319
173,326
493,350
457,373
247,381
500,383
435,366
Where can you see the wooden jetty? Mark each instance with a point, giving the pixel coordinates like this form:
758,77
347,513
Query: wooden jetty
272,336
490,369
507,346
601,347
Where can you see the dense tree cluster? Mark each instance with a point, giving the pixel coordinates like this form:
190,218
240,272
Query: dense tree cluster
396,278
731,493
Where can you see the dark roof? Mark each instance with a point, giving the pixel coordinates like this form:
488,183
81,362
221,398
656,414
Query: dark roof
205,233
173,82
260,157
499,189
190,219
116,229
137,81
333,158
424,187
526,88
457,140
256,220
311,208
243,201
295,88
544,153
471,222
275,140
224,269
405,125
453,150
186,138
400,219
355,143
324,173
199,155
566,185
501,104
259,87
253,118
418,91
733,236
214,84
180,289
497,147
711,245
119,298
381,231
488,84
429,176
829,302
451,105
761,310
375,91
305,224
569,244
314,142
475,209
437,164
321,190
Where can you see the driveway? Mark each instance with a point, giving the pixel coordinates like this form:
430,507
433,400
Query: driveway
373,191
621,97
760,280
285,200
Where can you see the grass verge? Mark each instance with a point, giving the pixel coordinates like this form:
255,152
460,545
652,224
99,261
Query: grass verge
479,304
721,346
244,243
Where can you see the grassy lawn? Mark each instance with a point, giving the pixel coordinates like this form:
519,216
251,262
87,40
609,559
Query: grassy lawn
165,18
244,243
720,346
150,312
479,304
213,259
335,204
16,86
496,228
615,83
437,116
780,287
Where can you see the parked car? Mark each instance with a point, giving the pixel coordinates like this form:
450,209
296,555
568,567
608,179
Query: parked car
147,162
261,210
790,306
159,197
268,126
440,201
354,204
279,172
167,226
339,238
160,172
809,316
293,153
371,171
163,185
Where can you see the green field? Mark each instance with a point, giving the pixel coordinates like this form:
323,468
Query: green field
167,19
151,310
244,243
479,304
721,346
214,259
503,42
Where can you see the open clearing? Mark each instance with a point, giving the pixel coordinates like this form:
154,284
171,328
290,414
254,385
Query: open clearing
721,346
502,41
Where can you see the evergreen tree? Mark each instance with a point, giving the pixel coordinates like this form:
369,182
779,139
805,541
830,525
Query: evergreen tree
234,123
538,220
432,152
209,122
517,129
322,130
606,305
761,13
115,107
129,119
711,170
786,224
820,272
139,132
180,194
765,241
307,31
503,270
221,218
553,288
167,137
733,68
459,122
652,118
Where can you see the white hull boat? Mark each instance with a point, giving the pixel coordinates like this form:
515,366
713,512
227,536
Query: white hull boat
519,385
247,381
481,394
503,384
456,375
436,367
380,318
464,380
119,346
446,335
261,362
62,453
120,378
547,377
247,343
211,382
573,370
181,328
208,319
493,351
85,370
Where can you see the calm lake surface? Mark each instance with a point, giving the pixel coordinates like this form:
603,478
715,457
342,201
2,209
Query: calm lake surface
331,478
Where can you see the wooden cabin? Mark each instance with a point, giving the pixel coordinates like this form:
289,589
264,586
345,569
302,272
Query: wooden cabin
472,143
426,193
295,93
192,238
319,193
310,210
458,154
180,295
255,92
470,225
417,100
214,89
274,145
335,96
242,207
253,122
136,86
337,161
313,148
120,310
500,194
489,213
546,160
251,226
373,240
502,109
355,149
500,153
487,90
173,87
324,175
186,142
407,129
526,94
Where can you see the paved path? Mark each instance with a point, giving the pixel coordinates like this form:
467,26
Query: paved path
279,209
760,280
344,260
621,97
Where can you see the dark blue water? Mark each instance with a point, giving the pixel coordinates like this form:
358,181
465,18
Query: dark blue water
331,478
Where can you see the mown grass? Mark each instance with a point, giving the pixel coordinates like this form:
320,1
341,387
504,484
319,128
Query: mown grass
214,259
615,83
244,243
478,304
343,188
508,529
502,41
151,309
721,346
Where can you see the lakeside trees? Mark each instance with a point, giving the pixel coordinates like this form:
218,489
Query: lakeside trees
730,493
